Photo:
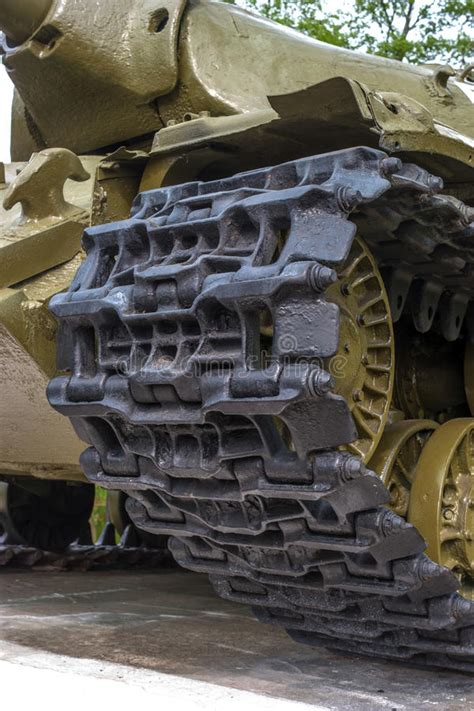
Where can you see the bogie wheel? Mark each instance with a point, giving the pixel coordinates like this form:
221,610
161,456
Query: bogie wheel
44,515
397,456
442,499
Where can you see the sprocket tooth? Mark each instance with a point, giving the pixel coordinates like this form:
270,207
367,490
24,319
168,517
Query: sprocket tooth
129,538
107,536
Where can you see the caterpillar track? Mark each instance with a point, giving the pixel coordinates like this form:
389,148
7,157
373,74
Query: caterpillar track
255,466
129,552
27,541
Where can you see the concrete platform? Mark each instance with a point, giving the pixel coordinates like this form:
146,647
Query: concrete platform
90,640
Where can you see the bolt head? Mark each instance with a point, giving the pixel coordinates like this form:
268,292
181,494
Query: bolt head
448,514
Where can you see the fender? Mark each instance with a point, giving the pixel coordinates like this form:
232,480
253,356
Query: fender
333,114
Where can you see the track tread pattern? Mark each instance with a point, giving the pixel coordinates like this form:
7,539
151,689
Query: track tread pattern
129,552
161,335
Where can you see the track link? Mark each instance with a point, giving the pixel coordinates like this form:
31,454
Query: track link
129,552
161,335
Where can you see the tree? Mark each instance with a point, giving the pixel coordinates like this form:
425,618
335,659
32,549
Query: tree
411,30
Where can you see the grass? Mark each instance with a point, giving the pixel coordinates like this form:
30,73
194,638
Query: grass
99,513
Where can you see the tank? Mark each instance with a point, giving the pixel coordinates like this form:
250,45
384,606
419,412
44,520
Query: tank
251,254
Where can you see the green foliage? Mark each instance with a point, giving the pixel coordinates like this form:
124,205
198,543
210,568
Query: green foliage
411,30
98,518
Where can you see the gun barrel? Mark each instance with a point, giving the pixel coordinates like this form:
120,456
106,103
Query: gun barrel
20,18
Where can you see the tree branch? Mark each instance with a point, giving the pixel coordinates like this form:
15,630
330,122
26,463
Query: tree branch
407,27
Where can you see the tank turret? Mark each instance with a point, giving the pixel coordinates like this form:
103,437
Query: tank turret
89,74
